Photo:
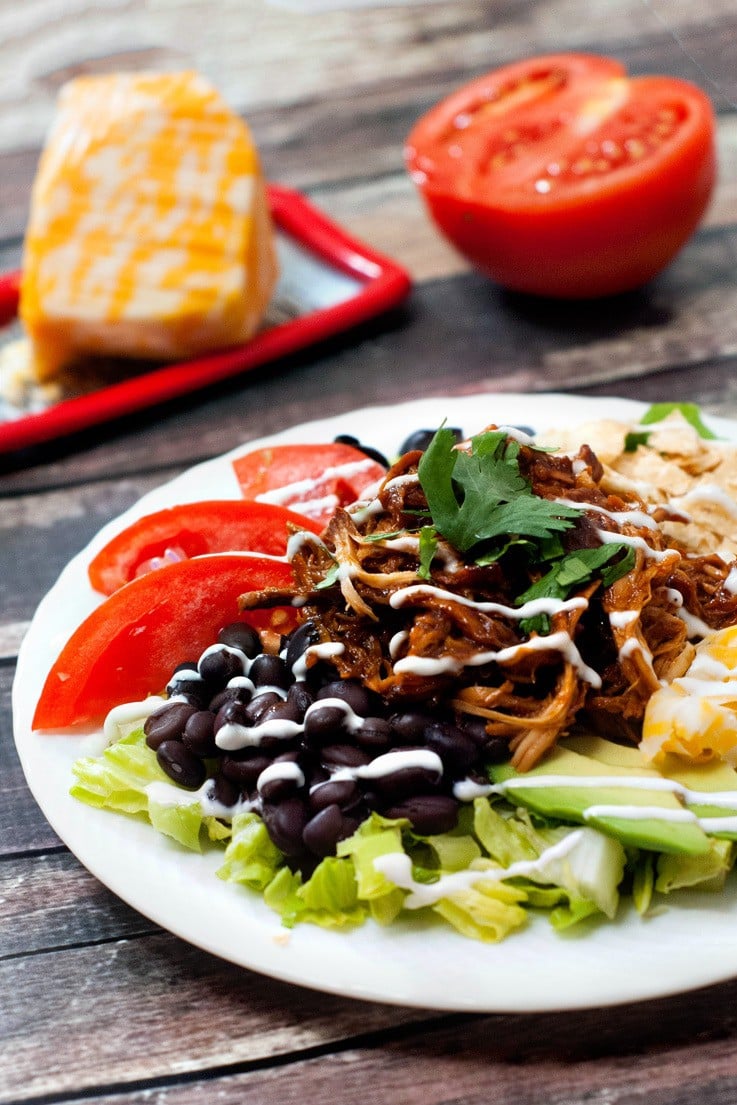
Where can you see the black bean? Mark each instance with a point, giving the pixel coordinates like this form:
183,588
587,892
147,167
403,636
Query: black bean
410,728
492,749
367,450
340,792
456,750
420,439
241,635
258,705
344,755
279,789
495,750
474,727
281,710
285,824
167,723
199,734
193,687
230,694
269,671
323,724
244,768
232,713
220,665
407,782
180,765
427,814
224,790
350,691
300,696
374,735
323,831
303,636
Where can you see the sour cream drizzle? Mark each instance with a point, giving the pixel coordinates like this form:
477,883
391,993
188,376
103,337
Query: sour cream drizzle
634,517
397,867
530,609
466,790
289,492
449,665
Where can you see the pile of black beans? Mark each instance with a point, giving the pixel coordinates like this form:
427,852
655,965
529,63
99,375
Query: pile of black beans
309,808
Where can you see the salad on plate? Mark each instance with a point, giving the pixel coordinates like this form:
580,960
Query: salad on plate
486,678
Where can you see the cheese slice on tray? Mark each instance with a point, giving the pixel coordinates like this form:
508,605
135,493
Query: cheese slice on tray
149,234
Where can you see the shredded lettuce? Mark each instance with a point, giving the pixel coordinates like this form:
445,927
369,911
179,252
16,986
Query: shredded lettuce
524,862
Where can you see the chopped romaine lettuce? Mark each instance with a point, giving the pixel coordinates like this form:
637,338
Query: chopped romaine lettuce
524,862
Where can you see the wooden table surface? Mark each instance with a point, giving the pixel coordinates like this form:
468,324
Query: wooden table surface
96,1002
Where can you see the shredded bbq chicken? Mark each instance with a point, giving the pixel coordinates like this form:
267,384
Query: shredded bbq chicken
447,639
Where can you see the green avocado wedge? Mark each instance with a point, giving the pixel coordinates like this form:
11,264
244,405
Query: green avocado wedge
592,758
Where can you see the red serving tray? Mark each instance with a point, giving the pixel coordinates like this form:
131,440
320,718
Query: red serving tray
382,284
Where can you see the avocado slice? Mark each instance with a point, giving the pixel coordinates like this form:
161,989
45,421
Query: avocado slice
569,803
713,776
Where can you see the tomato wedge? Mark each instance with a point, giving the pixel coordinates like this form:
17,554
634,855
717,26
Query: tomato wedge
312,480
562,176
193,529
129,646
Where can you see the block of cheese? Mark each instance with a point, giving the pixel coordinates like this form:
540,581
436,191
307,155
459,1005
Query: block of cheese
149,234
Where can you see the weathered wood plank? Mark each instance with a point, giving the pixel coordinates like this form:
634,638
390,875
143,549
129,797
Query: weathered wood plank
156,1012
51,901
155,1007
455,334
22,827
336,118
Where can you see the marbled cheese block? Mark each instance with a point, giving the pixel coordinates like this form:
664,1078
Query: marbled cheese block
149,233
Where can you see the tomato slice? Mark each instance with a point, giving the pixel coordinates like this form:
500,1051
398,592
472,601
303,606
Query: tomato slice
312,480
561,176
129,646
193,529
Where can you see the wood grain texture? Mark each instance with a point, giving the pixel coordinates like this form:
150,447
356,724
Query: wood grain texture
153,1007
97,1003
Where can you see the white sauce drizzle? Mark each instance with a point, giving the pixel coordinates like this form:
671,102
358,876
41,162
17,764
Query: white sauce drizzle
620,619
324,651
710,494
730,583
555,642
168,794
397,867
608,538
635,517
284,770
130,715
301,488
530,609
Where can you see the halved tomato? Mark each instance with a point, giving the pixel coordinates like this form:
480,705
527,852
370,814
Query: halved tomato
562,176
193,529
309,479
131,643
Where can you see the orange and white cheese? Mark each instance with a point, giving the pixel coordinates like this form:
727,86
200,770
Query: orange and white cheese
149,233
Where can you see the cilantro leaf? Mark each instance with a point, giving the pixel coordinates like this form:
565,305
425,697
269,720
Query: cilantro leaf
428,548
480,495
573,569
632,440
331,577
529,516
658,411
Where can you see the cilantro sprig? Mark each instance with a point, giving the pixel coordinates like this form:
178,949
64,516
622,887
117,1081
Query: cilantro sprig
480,496
656,413
481,503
